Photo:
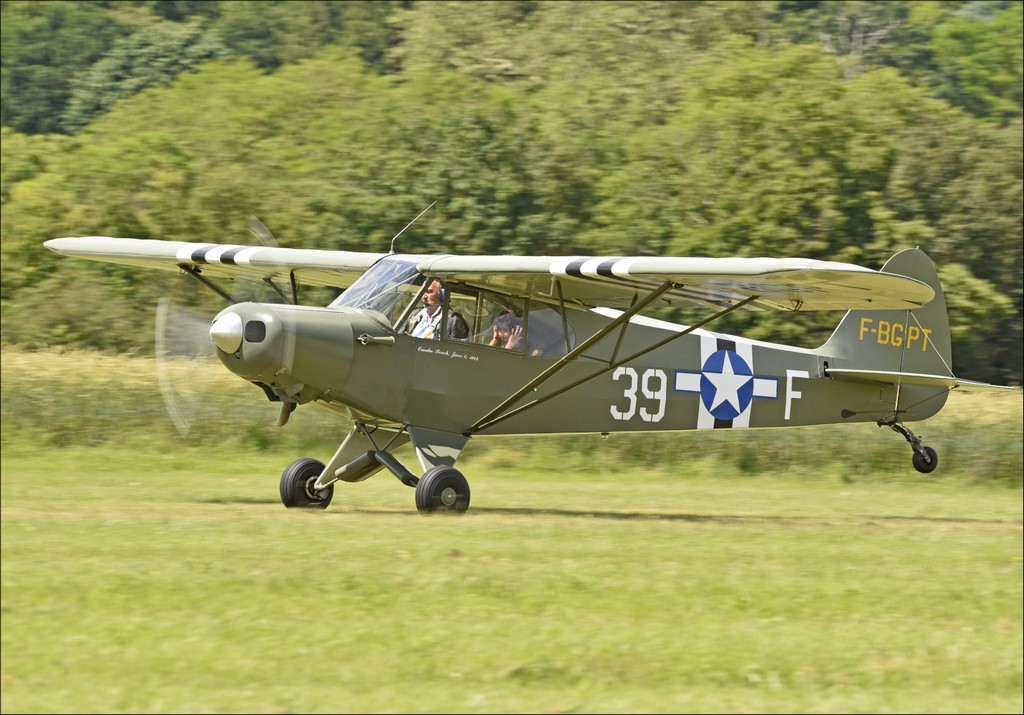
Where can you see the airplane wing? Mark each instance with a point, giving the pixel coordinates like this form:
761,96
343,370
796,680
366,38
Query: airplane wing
337,269
786,284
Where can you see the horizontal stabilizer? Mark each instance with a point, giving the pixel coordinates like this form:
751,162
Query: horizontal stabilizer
913,378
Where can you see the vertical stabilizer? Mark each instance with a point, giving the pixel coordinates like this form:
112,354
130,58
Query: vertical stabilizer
897,341
898,347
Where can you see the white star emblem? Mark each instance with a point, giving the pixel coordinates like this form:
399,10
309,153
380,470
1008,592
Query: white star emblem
727,385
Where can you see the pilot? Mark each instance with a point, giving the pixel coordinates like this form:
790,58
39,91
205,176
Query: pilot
508,333
424,323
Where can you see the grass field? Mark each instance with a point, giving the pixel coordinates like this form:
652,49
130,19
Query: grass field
800,571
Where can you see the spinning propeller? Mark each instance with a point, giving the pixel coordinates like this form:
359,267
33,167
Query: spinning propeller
186,342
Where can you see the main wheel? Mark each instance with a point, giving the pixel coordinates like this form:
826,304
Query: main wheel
297,485
926,463
442,489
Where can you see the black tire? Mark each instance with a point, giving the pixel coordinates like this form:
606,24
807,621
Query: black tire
297,485
442,490
926,464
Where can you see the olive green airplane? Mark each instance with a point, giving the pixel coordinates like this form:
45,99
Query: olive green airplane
437,349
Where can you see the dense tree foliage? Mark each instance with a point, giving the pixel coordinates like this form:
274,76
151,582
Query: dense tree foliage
43,47
839,130
152,56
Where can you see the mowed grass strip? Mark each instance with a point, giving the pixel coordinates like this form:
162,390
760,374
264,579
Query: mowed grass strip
807,570
170,579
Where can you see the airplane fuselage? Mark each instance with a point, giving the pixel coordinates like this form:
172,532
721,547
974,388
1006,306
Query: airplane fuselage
344,360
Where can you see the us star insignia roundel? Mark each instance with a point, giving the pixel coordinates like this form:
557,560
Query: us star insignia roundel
726,383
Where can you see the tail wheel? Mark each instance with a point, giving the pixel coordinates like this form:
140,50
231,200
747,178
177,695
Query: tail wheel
926,460
442,489
297,485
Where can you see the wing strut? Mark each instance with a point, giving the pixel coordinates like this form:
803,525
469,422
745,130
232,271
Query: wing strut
564,361
195,273
277,289
490,419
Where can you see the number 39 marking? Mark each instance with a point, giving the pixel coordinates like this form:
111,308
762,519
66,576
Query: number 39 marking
646,384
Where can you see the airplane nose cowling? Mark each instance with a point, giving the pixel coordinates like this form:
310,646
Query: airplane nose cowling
296,351
251,340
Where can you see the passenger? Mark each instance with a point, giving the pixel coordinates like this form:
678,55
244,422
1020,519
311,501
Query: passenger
424,323
508,333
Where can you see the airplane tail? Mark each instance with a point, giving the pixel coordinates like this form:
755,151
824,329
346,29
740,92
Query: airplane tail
906,348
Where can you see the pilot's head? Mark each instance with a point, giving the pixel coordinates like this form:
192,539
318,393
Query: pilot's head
432,296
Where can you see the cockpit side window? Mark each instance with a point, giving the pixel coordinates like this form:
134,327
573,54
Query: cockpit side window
432,316
499,321
548,334
480,309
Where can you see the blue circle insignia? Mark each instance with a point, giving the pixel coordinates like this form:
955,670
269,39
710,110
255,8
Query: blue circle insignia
726,385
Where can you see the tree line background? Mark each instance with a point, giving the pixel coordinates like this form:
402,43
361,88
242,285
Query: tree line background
834,130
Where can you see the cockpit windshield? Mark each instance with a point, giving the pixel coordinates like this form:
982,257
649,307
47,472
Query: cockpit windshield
386,288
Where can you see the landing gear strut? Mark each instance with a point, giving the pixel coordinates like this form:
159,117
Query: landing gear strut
925,458
308,483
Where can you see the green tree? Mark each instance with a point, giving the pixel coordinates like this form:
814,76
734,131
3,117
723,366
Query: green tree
43,47
180,10
980,61
151,56
23,156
